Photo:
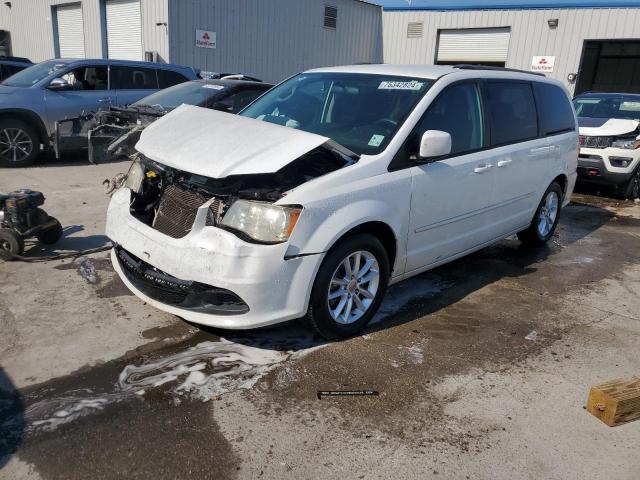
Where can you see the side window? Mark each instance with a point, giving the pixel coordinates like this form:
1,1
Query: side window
169,78
133,78
457,111
555,109
88,78
243,98
512,112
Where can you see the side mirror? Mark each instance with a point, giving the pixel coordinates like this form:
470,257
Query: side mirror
434,144
59,84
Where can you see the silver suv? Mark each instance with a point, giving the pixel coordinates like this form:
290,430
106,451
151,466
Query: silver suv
33,100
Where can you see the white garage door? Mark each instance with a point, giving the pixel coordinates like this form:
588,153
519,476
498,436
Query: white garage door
474,45
124,29
70,31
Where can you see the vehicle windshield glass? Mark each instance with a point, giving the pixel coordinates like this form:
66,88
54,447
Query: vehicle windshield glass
623,106
191,93
32,75
359,111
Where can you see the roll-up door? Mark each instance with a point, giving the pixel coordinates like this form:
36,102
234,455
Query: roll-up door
70,32
124,29
473,45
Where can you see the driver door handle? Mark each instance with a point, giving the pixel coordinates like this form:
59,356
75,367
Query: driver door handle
483,168
504,163
104,100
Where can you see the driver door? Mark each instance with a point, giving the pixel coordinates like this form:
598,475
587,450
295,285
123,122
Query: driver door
451,197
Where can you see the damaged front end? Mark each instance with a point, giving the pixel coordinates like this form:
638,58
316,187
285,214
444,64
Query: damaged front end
169,199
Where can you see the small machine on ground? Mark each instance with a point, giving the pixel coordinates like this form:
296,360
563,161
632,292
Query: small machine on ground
21,218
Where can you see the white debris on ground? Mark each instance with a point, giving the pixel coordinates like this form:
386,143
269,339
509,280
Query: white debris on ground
86,269
532,336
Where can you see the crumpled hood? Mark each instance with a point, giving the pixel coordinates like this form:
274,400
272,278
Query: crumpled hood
606,127
217,144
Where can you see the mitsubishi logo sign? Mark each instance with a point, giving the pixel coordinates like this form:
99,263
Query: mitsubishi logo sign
205,39
543,64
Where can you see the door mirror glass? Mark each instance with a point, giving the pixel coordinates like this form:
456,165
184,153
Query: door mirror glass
434,144
59,84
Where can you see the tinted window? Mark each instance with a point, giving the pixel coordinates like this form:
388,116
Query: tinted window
168,78
133,78
242,98
8,70
555,109
512,112
87,78
457,111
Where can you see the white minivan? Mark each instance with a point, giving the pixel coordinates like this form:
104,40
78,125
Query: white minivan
335,184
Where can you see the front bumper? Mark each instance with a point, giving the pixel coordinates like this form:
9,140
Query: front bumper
595,165
272,288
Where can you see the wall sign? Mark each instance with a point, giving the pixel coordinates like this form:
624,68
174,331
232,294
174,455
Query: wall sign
543,64
205,39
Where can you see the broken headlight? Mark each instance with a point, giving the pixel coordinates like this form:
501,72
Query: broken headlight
135,176
627,143
262,221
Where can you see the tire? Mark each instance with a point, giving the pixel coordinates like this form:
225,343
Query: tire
367,294
52,235
19,144
632,190
10,243
546,218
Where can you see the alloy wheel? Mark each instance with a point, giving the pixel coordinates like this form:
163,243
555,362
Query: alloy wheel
548,214
15,144
353,287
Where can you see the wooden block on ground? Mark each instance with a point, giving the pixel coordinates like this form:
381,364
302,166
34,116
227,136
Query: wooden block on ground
615,402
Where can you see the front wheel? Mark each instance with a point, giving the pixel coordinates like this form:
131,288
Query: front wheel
19,144
632,191
546,219
349,287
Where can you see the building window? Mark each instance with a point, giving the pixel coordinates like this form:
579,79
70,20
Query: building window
414,29
330,17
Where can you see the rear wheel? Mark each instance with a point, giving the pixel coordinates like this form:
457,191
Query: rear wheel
546,219
19,144
349,287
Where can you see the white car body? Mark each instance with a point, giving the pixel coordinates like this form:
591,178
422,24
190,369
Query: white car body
436,212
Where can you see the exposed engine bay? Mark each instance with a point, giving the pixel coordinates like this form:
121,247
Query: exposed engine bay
168,199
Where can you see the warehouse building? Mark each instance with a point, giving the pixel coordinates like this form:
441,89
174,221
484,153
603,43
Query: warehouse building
269,39
589,45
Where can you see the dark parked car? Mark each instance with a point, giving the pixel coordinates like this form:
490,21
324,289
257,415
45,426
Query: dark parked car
12,65
113,133
34,100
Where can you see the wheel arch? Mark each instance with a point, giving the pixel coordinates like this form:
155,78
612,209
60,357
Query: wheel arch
563,181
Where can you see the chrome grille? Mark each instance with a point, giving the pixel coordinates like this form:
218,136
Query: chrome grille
177,211
595,142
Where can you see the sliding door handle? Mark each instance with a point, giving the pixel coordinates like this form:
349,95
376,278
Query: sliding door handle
482,168
504,163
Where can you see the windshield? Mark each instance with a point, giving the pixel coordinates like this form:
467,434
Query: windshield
32,75
360,111
191,93
623,106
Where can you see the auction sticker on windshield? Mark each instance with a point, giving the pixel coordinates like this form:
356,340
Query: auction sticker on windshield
376,140
214,87
389,85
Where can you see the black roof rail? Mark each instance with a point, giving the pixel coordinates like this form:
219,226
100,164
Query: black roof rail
468,66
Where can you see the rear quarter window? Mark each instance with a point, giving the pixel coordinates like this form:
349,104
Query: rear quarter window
512,112
556,114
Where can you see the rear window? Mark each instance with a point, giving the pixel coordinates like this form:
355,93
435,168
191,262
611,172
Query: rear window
512,112
169,78
556,114
133,78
